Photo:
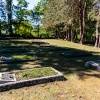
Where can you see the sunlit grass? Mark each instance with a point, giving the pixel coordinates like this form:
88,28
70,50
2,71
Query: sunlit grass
81,83
33,73
22,57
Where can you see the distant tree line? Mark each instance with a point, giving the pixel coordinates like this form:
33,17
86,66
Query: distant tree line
18,20
73,20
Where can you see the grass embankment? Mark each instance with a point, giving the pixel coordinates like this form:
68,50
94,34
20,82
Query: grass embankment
82,83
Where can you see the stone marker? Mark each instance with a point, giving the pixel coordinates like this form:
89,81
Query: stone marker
5,58
13,50
75,54
6,77
57,49
93,64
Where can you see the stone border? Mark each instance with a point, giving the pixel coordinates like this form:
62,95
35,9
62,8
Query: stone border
17,61
74,55
48,45
32,82
18,51
56,49
12,46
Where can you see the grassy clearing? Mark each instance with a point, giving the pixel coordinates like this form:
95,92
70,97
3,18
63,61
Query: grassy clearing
82,83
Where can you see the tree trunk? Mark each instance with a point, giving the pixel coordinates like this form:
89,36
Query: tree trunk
81,21
9,13
99,41
10,28
84,8
69,34
72,35
0,28
97,35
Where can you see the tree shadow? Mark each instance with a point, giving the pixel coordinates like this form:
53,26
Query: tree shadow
67,65
48,58
16,65
84,75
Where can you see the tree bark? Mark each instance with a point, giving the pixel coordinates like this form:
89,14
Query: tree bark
69,33
9,10
0,28
97,42
84,8
97,35
10,27
81,21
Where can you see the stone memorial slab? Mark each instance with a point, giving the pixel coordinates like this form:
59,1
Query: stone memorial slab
75,54
56,49
32,81
93,64
13,46
47,45
5,58
6,77
40,43
14,50
9,60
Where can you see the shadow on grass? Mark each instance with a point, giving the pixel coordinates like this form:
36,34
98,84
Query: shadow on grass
68,65
39,43
54,59
83,75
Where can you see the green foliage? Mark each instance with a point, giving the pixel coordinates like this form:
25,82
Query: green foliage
40,7
60,18
20,10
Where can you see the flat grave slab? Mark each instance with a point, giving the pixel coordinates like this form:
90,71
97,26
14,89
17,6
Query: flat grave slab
9,60
56,49
7,77
75,54
33,81
13,50
5,58
14,46
47,45
39,42
93,64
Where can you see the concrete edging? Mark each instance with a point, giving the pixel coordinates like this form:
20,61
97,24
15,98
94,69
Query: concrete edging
17,61
74,55
32,82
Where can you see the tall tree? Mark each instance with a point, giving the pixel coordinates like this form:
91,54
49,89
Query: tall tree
21,13
95,15
82,7
9,13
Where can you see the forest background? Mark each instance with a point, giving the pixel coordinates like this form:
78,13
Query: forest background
73,20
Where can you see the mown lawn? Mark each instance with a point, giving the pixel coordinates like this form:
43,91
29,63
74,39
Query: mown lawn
81,83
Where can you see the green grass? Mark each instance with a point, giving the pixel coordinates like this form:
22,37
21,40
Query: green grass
82,83
22,57
34,73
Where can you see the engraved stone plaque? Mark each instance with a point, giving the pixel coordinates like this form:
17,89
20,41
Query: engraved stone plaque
5,77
